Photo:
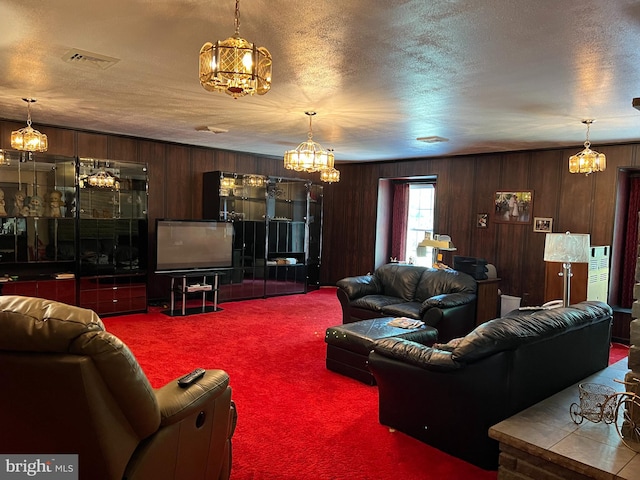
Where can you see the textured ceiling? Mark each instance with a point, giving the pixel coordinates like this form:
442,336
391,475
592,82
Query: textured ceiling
489,75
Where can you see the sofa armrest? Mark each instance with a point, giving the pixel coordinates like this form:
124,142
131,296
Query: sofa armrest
447,300
416,354
356,287
176,403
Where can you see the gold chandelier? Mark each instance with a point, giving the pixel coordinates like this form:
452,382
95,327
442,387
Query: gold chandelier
96,174
28,139
235,66
330,175
309,156
587,161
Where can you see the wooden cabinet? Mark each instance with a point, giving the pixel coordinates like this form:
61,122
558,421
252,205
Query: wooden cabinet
114,294
488,304
62,290
590,281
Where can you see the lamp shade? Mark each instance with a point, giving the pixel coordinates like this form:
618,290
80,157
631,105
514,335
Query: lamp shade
567,247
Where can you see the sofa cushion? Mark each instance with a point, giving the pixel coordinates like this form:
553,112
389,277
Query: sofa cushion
399,280
518,328
374,302
436,281
446,300
360,286
406,309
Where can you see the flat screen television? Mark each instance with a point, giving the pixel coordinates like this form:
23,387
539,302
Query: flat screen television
184,245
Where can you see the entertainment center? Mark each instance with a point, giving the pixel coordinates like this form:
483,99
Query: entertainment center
277,223
74,230
190,250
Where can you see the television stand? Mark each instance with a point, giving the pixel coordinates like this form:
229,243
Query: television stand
184,283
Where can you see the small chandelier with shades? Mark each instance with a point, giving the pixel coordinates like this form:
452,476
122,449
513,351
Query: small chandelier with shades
587,161
235,66
28,139
310,157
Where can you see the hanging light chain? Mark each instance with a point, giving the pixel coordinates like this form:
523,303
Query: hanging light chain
587,143
237,18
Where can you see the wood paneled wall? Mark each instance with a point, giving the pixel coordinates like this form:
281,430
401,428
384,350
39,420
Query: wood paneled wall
465,187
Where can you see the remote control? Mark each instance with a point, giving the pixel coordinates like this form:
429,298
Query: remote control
189,378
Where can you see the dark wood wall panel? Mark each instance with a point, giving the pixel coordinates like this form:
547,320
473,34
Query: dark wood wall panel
575,202
93,145
154,155
604,199
465,187
121,148
61,141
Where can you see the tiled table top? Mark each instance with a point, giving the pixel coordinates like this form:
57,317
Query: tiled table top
593,449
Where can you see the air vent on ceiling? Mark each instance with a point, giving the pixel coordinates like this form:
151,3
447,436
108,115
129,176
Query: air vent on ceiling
212,129
432,139
89,59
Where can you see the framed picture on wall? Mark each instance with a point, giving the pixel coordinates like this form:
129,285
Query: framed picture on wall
513,206
542,224
482,219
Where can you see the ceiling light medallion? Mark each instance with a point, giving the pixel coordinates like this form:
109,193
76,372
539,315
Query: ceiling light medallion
309,156
587,161
28,139
235,66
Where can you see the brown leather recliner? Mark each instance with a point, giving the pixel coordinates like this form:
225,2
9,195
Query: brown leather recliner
68,386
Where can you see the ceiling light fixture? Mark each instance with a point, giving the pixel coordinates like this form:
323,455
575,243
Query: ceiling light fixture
309,156
587,161
28,139
330,175
96,175
235,66
254,180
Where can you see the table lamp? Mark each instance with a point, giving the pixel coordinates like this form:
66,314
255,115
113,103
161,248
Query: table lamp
437,243
567,248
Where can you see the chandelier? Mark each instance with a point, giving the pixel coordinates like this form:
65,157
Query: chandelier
235,66
309,156
28,139
253,180
587,161
94,175
330,175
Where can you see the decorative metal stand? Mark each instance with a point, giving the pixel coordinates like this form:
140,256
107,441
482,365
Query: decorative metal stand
601,403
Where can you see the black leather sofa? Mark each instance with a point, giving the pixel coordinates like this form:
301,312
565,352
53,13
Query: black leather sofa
449,395
442,298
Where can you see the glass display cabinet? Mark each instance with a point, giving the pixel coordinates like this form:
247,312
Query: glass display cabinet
37,225
112,235
287,204
277,232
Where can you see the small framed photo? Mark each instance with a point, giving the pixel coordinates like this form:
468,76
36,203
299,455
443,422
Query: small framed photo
542,224
482,219
513,206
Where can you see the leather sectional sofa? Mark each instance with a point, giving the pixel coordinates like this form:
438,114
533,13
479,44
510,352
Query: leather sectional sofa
441,298
449,395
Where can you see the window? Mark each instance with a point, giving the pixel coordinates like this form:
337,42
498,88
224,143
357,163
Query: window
421,213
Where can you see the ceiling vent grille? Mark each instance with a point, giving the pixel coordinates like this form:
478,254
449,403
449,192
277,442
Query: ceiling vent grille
432,139
89,59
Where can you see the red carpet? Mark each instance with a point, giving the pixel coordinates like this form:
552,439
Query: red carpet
296,420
